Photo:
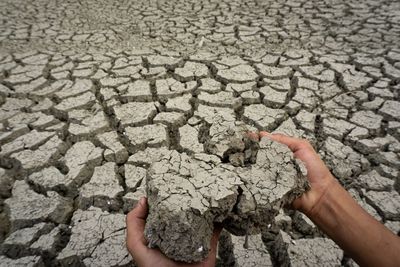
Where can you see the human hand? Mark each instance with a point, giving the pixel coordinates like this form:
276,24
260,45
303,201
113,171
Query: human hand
149,257
319,176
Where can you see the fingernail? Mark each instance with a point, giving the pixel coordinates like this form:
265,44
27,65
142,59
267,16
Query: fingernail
142,201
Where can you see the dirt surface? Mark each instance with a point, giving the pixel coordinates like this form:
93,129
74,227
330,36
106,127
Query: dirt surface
188,195
94,93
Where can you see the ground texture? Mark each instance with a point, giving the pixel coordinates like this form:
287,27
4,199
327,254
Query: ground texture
93,92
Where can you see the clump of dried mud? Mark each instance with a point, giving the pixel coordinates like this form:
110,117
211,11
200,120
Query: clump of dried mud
242,184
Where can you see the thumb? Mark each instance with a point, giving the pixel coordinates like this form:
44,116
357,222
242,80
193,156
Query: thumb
140,210
215,237
135,223
211,258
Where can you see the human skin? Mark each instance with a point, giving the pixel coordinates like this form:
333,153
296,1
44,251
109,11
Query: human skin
149,257
327,204
337,214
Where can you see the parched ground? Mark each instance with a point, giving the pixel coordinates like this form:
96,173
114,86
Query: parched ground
92,92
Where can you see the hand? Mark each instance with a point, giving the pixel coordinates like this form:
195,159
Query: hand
319,176
148,257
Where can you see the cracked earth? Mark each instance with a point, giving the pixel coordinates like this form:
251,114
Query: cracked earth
97,96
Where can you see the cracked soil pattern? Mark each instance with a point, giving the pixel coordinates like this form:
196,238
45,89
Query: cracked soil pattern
99,99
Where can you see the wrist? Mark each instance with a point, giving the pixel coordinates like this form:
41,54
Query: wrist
311,201
324,199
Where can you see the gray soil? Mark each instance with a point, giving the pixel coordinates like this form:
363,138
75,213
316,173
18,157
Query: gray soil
102,102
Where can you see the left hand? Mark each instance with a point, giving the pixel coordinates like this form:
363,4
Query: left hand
148,257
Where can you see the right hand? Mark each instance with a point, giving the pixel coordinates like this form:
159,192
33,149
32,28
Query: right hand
319,176
144,256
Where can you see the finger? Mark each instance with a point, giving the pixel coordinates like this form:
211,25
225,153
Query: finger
293,143
215,237
300,148
135,223
253,136
212,254
140,211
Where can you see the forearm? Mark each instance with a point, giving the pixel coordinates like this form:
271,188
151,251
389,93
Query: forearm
365,239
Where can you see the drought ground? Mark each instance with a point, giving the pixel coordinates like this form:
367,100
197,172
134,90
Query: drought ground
93,92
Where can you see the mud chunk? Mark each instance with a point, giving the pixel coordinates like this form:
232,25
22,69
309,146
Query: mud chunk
80,160
220,99
48,242
390,109
254,255
170,88
151,135
119,154
49,179
228,140
306,98
353,79
388,158
102,189
31,140
319,72
241,87
184,205
28,261
132,198
274,72
86,123
43,105
240,73
26,236
134,176
190,194
189,138
170,118
344,162
393,226
374,181
158,60
27,207
42,156
210,85
388,203
314,252
134,113
367,119
83,101
148,156
263,117
306,120
138,91
282,84
290,129
180,104
36,120
111,252
191,70
31,86
112,82
90,234
250,97
213,114
80,86
5,184
12,133
272,97
336,128
12,105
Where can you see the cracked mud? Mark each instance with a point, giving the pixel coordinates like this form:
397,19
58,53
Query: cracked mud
188,195
102,102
